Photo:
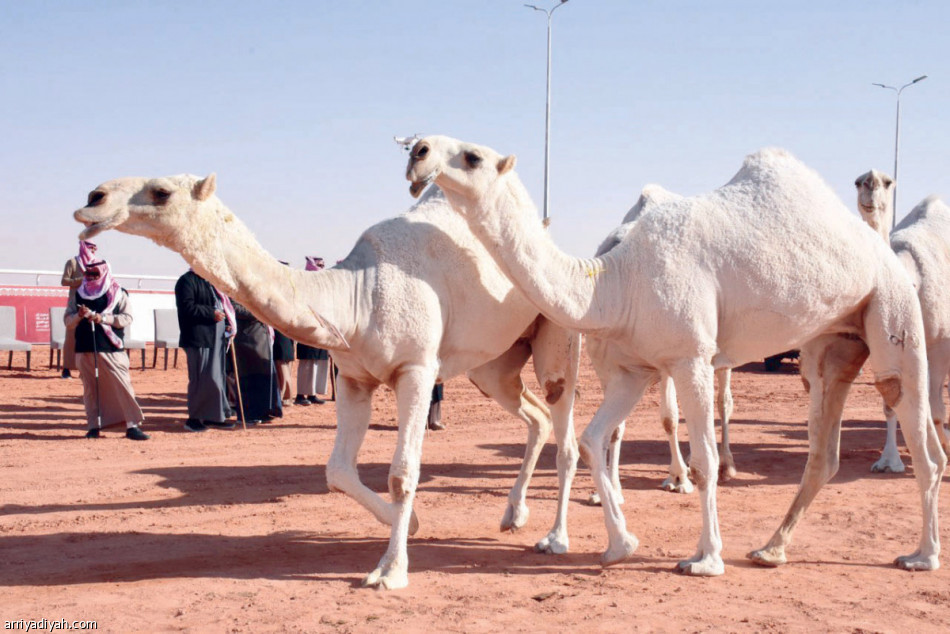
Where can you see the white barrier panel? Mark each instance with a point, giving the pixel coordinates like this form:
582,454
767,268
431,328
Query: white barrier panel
143,304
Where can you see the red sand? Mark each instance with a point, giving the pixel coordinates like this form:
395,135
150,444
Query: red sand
236,531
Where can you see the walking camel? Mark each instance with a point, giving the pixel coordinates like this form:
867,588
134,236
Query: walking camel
768,262
921,242
678,480
392,313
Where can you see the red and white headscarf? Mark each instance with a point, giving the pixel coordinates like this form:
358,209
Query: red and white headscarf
231,328
106,285
87,254
314,263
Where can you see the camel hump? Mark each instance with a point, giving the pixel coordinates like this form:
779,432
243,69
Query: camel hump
931,211
651,196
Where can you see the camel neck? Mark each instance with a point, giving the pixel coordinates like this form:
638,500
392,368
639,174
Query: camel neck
566,289
297,303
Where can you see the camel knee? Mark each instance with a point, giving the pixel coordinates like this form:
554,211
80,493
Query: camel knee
553,390
567,455
615,436
822,466
591,448
400,487
703,471
668,425
338,475
890,389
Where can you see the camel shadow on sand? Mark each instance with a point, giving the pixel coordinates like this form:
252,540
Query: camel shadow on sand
770,463
75,558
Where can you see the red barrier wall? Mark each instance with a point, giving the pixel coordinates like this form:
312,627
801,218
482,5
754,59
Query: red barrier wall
32,305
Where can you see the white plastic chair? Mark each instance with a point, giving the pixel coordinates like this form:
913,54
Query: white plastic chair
166,334
8,340
57,335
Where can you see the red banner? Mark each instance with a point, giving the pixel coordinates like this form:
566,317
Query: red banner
32,305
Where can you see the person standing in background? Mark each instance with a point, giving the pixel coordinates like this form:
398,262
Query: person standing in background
206,320
99,314
72,277
434,420
284,362
313,364
284,356
253,347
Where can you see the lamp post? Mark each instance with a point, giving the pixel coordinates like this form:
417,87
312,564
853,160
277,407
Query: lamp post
547,106
897,137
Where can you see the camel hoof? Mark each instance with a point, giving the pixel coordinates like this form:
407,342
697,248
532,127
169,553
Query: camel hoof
621,552
917,562
413,523
888,465
727,471
768,557
386,580
553,544
677,484
515,517
703,566
594,499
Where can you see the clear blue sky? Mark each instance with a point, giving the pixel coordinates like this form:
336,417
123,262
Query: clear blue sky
294,105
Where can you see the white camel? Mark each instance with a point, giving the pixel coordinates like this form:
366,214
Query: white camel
769,262
678,480
418,300
922,244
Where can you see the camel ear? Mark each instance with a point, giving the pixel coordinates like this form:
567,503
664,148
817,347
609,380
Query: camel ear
506,164
205,187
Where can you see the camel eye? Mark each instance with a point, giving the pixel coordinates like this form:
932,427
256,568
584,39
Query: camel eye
95,198
160,196
472,159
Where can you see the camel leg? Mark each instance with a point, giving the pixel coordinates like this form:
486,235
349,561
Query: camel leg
500,379
938,362
413,388
613,465
353,417
556,359
621,393
727,465
895,336
928,456
828,364
694,384
890,460
678,480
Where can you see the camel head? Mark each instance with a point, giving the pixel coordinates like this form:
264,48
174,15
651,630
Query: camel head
460,168
150,207
875,195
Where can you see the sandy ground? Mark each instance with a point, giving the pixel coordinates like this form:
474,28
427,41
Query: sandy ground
236,531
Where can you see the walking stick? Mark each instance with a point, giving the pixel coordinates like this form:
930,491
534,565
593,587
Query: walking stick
237,384
95,364
332,380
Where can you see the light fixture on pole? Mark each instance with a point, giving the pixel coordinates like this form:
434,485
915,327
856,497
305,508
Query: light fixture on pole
897,137
547,106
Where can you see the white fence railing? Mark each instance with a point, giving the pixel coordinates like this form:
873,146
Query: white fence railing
52,278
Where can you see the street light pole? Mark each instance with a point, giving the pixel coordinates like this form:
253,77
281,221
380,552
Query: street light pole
547,107
897,138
